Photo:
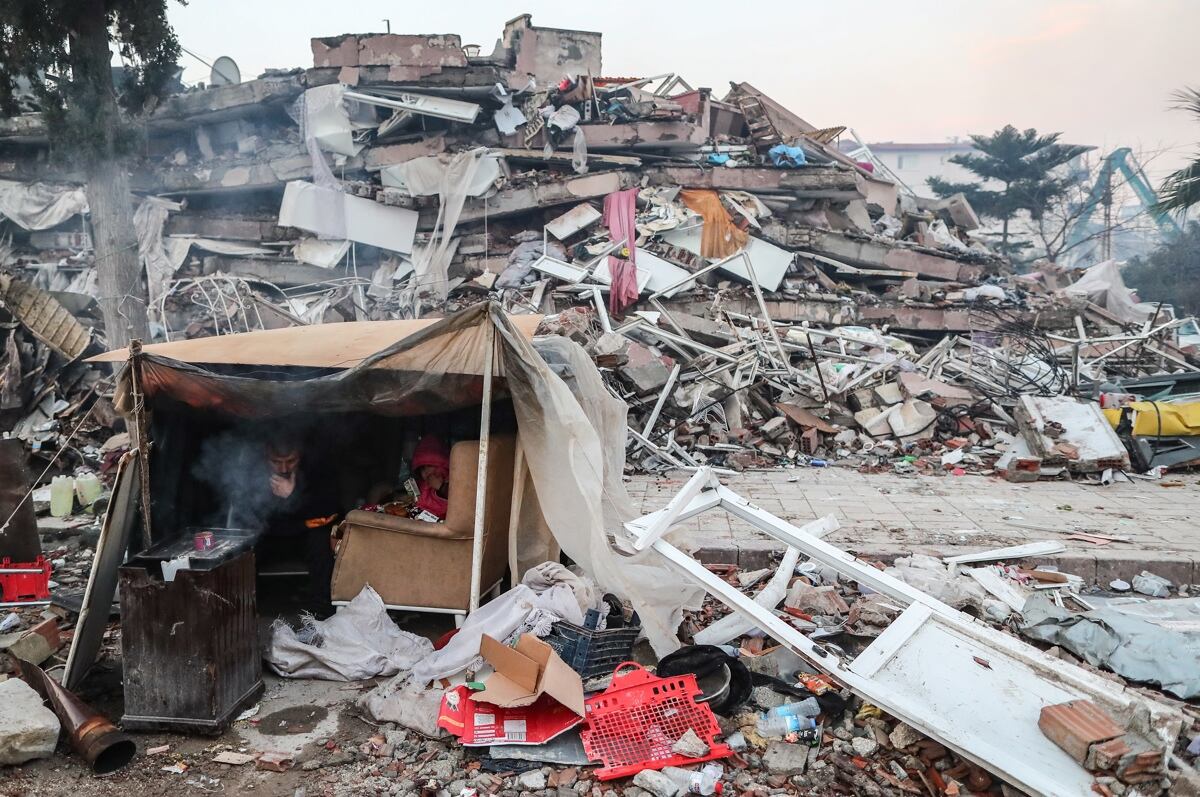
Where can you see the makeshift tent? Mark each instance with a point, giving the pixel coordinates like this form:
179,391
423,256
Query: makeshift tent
572,437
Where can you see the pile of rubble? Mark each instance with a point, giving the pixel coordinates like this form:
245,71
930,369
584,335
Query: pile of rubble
738,393
781,723
763,297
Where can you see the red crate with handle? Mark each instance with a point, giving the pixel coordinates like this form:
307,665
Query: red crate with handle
24,582
634,723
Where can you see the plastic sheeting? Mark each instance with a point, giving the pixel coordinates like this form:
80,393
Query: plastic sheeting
454,185
426,176
327,120
358,642
335,215
1102,284
1160,418
1155,642
39,206
577,464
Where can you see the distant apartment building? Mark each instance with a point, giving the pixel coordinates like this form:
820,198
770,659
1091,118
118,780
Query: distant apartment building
915,163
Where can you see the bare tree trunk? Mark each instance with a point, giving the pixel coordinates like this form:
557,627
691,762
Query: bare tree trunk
1004,230
118,268
122,292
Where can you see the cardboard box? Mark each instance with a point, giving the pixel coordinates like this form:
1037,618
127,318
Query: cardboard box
532,697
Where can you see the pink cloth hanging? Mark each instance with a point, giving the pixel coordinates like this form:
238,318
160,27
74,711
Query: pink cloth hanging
619,210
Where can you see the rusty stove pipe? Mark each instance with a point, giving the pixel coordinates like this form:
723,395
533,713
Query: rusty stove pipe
104,747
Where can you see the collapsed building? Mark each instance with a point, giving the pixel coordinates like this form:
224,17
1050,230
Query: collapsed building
403,176
751,295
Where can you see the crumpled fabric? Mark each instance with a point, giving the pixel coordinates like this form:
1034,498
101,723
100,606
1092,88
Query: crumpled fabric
579,152
360,641
549,574
39,206
720,237
406,703
1133,638
520,610
148,221
405,698
521,260
620,209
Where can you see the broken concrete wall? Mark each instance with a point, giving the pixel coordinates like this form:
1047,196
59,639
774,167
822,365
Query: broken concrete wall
548,54
406,56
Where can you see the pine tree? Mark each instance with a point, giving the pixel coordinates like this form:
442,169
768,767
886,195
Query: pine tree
64,48
1017,172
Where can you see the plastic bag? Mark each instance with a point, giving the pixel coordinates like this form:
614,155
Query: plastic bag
406,703
360,641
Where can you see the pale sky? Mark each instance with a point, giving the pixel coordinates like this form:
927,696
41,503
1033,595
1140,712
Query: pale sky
1100,71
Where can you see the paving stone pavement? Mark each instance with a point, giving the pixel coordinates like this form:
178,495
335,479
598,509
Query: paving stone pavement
885,515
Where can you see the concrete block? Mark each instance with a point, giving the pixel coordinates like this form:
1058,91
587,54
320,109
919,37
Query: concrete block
28,729
782,758
723,555
610,350
757,554
646,371
658,784
701,330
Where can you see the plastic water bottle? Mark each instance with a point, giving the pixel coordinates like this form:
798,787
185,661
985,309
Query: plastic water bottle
789,718
808,707
778,727
706,781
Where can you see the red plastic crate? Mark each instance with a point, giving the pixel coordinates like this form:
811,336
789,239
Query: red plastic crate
633,724
20,587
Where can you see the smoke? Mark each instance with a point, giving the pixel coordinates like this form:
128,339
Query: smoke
234,465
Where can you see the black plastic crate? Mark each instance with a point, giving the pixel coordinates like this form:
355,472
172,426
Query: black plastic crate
589,652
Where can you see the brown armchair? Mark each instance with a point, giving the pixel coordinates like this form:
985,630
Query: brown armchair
420,565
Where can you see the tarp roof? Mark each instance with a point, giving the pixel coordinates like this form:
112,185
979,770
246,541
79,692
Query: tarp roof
341,345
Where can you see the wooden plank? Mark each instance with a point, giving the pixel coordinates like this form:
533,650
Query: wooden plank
115,534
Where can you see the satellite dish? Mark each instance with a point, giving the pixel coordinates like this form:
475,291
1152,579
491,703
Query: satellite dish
225,72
